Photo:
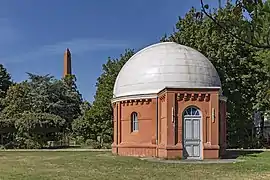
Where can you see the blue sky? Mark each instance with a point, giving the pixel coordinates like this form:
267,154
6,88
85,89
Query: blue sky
34,34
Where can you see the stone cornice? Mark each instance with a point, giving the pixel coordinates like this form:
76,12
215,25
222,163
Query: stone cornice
133,102
193,96
155,95
189,89
134,97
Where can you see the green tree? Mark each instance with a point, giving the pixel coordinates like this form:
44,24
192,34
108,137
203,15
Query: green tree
98,120
85,107
263,87
16,101
43,94
80,126
35,129
256,34
5,82
46,100
263,54
239,70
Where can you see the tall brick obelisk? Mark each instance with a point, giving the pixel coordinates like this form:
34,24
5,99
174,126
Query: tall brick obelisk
67,63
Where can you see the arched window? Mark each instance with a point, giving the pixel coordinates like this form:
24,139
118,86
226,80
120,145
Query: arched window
134,122
192,111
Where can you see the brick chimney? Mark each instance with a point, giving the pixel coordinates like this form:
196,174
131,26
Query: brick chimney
67,63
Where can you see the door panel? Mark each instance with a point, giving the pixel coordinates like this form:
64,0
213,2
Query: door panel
196,129
189,150
196,151
188,126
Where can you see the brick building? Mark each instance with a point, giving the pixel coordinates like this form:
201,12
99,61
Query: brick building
168,103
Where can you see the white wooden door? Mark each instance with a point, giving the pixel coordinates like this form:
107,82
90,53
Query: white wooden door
192,133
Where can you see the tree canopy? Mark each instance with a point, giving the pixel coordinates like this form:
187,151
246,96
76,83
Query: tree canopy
257,21
40,105
5,81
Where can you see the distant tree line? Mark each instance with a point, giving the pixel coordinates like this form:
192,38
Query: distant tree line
42,108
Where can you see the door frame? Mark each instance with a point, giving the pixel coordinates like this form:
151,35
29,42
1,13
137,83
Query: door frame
201,133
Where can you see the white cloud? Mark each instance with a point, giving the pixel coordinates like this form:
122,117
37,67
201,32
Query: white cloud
77,45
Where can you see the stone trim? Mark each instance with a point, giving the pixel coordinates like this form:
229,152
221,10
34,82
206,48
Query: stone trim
162,97
132,102
134,97
154,95
193,97
188,88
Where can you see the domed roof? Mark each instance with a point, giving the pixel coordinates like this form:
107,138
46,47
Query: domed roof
162,65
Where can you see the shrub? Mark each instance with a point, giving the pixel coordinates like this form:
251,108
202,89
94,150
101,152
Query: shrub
92,144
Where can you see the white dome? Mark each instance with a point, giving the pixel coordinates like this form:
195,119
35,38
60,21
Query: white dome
162,65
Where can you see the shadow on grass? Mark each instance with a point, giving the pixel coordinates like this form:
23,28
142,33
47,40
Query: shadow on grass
63,147
233,154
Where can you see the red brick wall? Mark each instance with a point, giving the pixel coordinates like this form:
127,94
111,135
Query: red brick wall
143,142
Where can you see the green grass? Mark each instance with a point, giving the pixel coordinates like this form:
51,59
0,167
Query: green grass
103,166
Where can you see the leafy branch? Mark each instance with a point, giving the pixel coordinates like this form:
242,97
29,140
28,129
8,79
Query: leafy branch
255,9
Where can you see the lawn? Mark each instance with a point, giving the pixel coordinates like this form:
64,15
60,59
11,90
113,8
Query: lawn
103,166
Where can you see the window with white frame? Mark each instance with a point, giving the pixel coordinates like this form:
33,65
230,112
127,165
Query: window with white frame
134,122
